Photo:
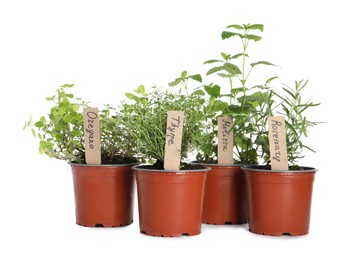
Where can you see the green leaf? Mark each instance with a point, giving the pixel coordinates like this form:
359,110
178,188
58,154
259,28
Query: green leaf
226,35
214,70
68,118
184,74
28,123
239,55
214,91
234,109
259,27
58,137
76,133
225,56
224,75
211,61
289,92
219,105
231,68
79,117
196,77
39,124
199,92
235,26
67,86
33,132
262,63
141,90
50,98
131,96
75,107
270,80
255,38
175,82
235,91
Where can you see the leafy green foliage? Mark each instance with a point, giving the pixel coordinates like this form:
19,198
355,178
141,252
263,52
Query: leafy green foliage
292,106
249,105
60,132
183,80
148,116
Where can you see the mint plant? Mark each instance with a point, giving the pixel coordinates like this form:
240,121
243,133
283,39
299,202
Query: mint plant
249,105
60,132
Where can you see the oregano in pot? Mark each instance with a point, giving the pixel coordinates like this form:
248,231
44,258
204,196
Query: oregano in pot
104,193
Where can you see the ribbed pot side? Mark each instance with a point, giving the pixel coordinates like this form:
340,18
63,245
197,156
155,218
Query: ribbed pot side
170,202
225,195
279,202
104,194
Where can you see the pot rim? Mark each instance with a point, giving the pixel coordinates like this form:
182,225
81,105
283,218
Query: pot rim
136,167
258,168
103,165
222,164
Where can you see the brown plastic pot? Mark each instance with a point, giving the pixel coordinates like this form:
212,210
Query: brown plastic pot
170,202
225,195
279,202
104,194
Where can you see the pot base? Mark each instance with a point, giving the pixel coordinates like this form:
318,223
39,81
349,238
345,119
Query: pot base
89,224
279,233
224,222
171,234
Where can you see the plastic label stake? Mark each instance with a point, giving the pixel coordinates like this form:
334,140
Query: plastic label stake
277,141
174,133
225,140
92,135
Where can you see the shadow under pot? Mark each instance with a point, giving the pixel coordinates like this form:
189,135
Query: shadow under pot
279,202
225,195
104,194
170,202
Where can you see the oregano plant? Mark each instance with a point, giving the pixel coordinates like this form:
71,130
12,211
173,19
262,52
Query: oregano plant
60,132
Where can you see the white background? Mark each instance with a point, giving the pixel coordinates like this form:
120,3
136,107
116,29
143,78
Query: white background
109,47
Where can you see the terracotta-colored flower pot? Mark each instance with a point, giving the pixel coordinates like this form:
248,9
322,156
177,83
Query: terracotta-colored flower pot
279,202
104,194
225,195
170,202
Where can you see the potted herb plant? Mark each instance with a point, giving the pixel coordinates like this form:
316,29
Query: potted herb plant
225,194
279,201
170,201
104,193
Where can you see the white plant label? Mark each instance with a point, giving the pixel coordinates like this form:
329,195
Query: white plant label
174,134
92,135
277,141
225,140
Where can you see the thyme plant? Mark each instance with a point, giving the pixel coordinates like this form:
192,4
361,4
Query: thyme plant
148,118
